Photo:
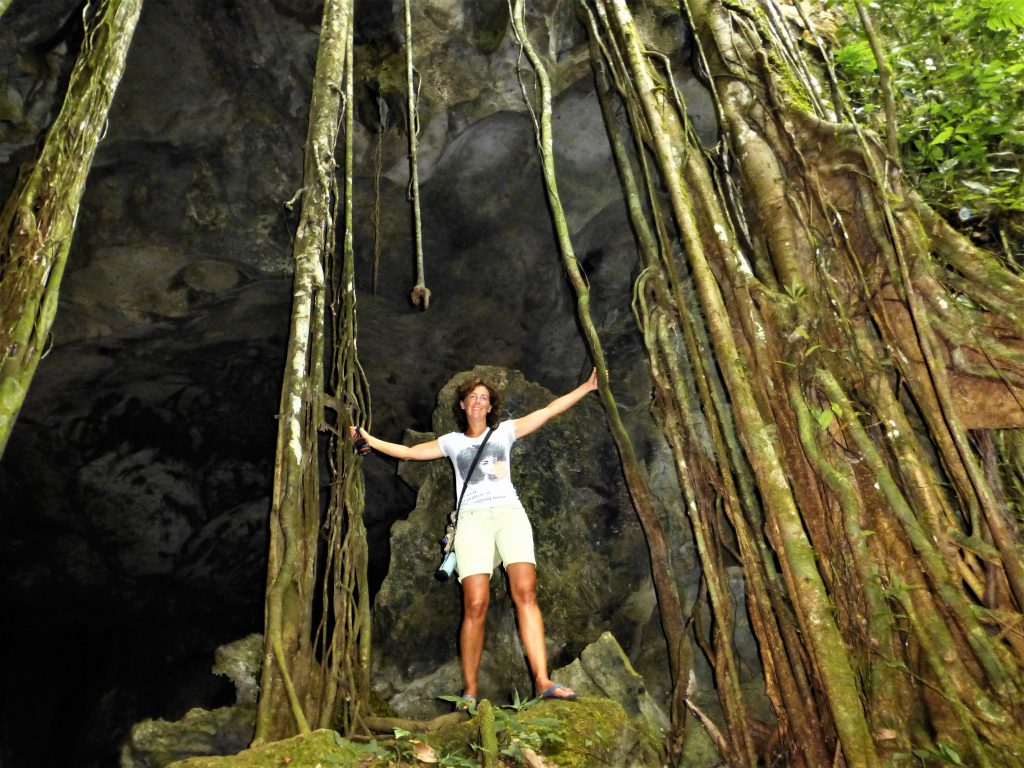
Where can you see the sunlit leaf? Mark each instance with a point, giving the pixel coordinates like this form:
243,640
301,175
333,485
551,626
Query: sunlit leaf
424,752
856,57
824,418
977,186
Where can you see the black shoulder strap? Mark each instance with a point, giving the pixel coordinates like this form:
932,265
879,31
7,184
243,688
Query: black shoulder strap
448,542
472,468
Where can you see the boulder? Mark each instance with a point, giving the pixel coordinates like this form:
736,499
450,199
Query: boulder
221,731
580,734
587,537
603,669
241,662
584,733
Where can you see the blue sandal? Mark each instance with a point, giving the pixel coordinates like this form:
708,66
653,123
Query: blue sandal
551,692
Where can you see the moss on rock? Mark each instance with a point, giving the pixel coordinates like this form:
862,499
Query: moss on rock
223,731
319,749
593,732
577,734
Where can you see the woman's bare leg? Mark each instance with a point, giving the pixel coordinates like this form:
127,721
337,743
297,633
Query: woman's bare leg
522,578
476,594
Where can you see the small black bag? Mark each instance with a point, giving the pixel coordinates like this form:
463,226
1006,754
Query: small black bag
448,565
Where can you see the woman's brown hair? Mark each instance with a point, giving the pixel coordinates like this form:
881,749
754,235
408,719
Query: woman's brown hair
463,390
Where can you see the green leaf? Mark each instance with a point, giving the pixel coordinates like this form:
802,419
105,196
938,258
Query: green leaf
824,418
977,186
1004,15
949,753
856,57
943,136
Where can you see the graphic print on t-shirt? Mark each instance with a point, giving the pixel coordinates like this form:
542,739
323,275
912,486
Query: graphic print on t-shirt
493,464
491,484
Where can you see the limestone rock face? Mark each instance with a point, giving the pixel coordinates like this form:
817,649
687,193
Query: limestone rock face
221,731
157,743
586,536
135,488
602,669
36,57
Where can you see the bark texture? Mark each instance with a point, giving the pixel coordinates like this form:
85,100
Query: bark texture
316,635
825,352
38,220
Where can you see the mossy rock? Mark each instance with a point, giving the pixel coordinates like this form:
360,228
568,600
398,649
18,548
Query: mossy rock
319,749
577,734
587,535
156,743
597,732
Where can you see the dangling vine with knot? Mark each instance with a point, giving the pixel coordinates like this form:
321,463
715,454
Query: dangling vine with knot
420,294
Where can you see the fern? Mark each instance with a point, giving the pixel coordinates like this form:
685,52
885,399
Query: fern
1004,15
856,58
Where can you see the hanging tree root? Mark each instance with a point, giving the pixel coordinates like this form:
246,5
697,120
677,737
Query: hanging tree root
672,615
420,294
852,318
38,220
316,664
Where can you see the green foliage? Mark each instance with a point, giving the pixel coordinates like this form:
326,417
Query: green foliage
518,705
943,754
856,58
513,734
957,67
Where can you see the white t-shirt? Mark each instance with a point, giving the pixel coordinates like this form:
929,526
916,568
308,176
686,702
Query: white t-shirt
491,483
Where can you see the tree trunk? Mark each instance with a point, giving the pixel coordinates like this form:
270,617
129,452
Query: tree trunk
855,341
38,220
316,626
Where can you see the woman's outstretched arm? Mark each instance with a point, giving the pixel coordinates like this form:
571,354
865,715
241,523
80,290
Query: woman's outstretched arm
419,452
534,421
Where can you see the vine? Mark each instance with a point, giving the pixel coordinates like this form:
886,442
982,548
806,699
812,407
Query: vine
378,166
38,220
868,586
670,606
316,664
420,294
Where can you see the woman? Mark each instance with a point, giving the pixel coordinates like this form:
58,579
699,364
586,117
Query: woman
493,527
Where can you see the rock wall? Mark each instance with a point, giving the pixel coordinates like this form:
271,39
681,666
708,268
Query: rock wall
592,565
136,484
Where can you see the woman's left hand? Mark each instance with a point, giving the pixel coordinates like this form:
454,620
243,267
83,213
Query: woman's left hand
591,383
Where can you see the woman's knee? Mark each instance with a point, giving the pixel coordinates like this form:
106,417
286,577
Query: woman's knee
475,607
475,597
525,594
524,597
522,582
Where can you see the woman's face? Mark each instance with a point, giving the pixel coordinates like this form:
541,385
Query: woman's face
477,404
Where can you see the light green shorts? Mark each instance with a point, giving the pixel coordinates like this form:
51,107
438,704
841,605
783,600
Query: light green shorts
492,535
